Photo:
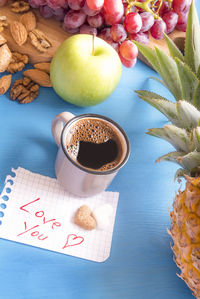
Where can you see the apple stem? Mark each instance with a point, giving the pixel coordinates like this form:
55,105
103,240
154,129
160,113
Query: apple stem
93,44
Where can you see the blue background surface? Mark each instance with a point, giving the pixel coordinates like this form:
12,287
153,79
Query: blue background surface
141,262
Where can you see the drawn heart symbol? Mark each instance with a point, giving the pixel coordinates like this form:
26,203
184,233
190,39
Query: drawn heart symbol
73,240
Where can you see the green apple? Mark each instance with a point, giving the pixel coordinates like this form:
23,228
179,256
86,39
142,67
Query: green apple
85,70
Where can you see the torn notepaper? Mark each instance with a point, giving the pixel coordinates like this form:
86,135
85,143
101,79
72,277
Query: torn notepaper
39,212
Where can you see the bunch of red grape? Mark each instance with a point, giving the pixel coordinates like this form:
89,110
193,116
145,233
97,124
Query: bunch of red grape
118,22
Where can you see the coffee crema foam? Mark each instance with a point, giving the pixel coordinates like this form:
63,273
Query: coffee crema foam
94,131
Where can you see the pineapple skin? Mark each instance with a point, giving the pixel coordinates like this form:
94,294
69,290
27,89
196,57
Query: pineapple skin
185,232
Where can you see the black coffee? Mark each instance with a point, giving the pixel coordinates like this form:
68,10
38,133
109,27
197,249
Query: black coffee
95,155
94,144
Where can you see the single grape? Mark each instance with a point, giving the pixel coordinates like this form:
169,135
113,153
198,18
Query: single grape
54,4
32,4
127,63
128,50
76,4
147,21
133,22
95,4
66,5
88,11
3,2
37,3
59,13
46,11
181,5
41,2
105,34
111,19
182,21
164,8
113,11
158,29
170,18
70,30
74,19
86,29
95,21
118,33
141,37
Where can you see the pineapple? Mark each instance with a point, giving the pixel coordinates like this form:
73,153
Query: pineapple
181,75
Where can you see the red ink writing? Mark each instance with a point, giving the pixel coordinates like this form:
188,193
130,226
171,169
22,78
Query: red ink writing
55,224
27,230
42,239
39,215
36,233
33,234
73,240
22,208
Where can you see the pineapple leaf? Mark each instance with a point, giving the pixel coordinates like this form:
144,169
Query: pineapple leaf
159,80
188,115
169,73
198,72
149,54
196,138
178,137
172,157
188,79
163,105
159,132
196,96
190,161
192,40
173,49
180,173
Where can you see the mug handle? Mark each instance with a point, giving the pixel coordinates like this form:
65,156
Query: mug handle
58,124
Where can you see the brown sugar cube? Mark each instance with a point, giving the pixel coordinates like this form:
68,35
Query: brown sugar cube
84,218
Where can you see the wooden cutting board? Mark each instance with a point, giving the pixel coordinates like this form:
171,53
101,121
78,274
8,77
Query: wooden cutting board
57,35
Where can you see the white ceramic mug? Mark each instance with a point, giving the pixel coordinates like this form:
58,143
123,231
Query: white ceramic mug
74,177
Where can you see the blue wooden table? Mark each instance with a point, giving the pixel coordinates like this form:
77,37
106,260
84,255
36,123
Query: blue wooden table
141,262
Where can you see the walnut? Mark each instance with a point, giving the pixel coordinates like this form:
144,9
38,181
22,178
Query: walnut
17,63
3,23
20,6
39,40
24,90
